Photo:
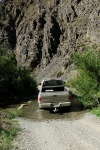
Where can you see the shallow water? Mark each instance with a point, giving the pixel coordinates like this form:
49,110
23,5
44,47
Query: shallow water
31,111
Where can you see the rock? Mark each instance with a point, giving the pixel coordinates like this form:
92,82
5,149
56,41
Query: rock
42,33
29,102
21,106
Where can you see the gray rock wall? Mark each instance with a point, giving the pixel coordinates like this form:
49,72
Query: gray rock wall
42,31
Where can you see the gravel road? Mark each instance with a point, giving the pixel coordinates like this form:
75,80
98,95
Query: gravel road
66,134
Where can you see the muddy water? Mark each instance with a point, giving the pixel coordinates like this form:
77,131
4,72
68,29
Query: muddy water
31,111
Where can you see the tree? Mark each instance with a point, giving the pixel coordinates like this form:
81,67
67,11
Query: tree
87,83
14,81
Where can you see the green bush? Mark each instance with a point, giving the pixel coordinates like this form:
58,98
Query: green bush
15,82
7,138
13,113
8,128
87,82
96,111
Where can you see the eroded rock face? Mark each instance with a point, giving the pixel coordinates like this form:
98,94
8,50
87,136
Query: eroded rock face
42,31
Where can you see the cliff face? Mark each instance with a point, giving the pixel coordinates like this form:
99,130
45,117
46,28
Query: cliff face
43,33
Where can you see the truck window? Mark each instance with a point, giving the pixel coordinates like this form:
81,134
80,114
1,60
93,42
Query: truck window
52,85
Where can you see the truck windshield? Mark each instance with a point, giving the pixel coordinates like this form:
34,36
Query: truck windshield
52,83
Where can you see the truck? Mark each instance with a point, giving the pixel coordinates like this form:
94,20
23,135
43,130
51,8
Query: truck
53,94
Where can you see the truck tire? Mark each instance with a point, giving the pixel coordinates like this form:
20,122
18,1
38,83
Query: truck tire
66,109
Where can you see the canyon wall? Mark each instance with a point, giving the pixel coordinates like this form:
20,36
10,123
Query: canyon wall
44,33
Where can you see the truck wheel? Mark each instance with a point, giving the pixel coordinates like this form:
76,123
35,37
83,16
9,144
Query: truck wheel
65,109
68,108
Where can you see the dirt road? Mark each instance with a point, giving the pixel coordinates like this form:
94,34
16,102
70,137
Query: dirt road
61,134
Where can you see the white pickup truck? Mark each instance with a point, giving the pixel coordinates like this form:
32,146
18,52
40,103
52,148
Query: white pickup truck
53,94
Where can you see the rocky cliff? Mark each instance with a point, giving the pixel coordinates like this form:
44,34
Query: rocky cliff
44,33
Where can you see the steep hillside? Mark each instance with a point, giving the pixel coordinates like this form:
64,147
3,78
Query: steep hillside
44,33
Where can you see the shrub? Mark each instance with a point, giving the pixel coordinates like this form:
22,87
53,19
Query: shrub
87,83
14,81
8,128
96,111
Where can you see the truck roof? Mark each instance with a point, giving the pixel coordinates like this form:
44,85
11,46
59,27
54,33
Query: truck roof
46,79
